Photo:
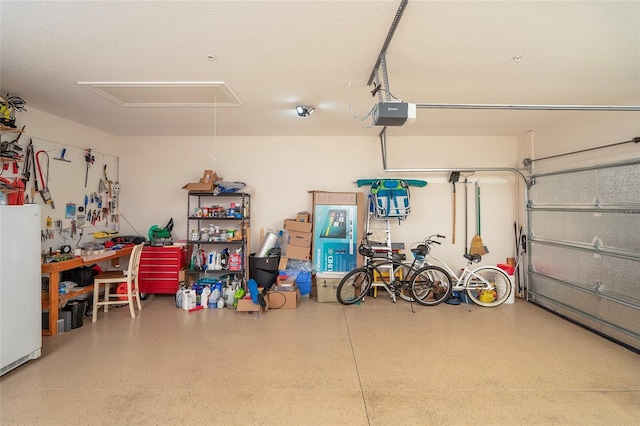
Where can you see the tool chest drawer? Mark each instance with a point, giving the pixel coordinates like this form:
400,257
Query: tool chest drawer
159,270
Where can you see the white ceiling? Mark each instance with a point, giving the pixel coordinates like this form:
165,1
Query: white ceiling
275,54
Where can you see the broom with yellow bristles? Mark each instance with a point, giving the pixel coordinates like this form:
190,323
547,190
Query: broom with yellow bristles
477,246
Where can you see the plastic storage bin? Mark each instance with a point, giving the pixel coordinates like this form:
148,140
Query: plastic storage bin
303,281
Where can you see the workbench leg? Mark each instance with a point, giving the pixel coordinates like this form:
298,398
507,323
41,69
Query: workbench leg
54,280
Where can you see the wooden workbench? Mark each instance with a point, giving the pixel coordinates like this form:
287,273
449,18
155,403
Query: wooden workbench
52,301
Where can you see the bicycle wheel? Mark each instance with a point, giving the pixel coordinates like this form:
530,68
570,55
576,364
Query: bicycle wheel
430,286
354,286
488,286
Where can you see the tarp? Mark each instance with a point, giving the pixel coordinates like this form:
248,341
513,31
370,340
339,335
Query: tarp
409,182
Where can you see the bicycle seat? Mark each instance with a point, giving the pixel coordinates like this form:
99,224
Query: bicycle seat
420,250
473,257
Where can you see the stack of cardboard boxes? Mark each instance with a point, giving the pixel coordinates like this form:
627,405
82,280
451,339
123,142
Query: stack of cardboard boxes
299,232
285,294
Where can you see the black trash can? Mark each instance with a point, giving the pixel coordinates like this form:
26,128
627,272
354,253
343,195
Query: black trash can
77,308
264,270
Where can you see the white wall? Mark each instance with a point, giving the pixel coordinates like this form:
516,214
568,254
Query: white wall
42,125
279,172
583,131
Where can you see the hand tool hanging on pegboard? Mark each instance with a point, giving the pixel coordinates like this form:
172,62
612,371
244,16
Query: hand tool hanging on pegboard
62,154
89,159
108,208
26,174
44,191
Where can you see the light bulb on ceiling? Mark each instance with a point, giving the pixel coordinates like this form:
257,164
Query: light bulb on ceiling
304,111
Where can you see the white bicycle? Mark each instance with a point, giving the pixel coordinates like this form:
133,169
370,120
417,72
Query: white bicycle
432,284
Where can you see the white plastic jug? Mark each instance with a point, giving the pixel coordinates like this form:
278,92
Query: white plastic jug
229,297
188,299
211,260
204,297
213,298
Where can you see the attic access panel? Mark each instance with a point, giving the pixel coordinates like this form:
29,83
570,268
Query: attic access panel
145,94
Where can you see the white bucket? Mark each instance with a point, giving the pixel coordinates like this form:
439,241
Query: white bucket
501,288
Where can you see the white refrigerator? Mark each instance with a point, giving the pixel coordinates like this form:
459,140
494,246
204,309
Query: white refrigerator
20,286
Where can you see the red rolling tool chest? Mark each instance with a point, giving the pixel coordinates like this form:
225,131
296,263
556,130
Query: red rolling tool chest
160,269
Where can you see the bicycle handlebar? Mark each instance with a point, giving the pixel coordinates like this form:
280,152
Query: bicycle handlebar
430,239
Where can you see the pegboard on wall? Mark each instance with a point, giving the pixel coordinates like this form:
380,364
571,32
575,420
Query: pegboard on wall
63,171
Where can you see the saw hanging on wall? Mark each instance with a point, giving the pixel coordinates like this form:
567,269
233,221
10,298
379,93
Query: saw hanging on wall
44,191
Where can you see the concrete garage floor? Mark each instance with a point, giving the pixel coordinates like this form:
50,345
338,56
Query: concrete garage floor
326,364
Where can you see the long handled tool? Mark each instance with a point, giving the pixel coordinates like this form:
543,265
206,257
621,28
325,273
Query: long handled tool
466,216
517,272
453,178
477,246
522,271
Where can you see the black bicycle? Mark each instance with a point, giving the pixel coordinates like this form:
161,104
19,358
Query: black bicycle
379,269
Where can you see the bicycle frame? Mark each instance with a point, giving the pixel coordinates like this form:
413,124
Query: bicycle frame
380,265
460,279
485,285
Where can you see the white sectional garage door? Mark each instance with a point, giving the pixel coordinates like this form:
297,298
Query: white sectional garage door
584,247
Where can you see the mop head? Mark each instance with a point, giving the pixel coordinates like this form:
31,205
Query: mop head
477,247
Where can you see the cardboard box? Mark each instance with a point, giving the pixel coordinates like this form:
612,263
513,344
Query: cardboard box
339,221
294,225
327,286
346,198
297,252
283,263
285,281
300,239
247,305
303,217
283,299
206,183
